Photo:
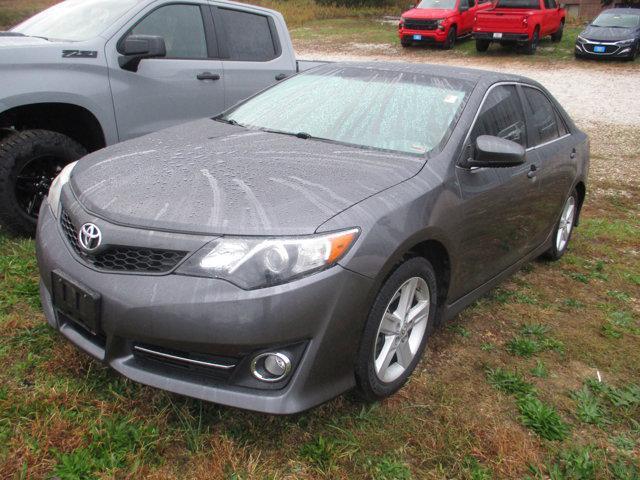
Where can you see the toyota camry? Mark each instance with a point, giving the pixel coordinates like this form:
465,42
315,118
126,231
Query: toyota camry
307,241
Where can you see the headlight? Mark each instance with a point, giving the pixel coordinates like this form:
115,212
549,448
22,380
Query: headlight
255,262
441,22
56,188
629,41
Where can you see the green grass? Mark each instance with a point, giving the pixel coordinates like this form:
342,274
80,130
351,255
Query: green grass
542,418
509,382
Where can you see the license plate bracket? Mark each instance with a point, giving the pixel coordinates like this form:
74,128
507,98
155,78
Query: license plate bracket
599,49
75,301
497,35
417,37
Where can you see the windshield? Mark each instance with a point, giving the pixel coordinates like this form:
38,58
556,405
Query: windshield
75,20
390,110
437,4
623,20
518,4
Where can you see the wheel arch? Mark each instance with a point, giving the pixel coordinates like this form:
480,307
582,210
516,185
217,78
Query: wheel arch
75,121
582,192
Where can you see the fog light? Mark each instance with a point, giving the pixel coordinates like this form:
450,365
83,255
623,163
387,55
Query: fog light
270,367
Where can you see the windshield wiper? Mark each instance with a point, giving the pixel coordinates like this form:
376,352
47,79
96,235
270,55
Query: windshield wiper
303,135
227,121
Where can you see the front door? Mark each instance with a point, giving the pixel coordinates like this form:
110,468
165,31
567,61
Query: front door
467,11
496,203
252,55
187,84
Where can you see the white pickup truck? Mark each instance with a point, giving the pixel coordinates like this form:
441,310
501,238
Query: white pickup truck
85,74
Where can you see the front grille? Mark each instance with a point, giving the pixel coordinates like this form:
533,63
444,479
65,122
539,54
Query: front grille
420,24
117,258
608,49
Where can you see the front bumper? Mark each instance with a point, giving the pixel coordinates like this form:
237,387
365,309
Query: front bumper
611,50
506,37
428,36
319,318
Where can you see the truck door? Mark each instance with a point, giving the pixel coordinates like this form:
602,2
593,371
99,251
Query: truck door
467,10
253,57
186,84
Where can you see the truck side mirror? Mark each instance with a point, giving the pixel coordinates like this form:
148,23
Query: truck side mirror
134,48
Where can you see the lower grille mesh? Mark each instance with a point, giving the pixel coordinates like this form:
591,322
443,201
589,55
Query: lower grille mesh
118,258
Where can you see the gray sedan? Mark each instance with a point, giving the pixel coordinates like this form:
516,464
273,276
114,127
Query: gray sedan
307,241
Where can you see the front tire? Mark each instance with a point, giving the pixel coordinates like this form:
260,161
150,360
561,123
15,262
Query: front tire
29,161
451,38
405,42
564,228
397,329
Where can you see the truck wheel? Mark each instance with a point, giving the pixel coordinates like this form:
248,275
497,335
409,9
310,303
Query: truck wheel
451,38
532,45
482,45
556,37
29,161
405,42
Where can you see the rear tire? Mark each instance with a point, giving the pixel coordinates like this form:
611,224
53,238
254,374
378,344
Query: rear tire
482,45
451,38
532,45
564,227
388,330
557,36
29,161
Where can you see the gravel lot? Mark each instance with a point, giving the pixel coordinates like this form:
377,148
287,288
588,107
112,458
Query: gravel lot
590,92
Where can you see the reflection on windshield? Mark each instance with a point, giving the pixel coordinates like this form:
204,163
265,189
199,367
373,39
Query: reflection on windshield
390,110
438,4
75,20
623,20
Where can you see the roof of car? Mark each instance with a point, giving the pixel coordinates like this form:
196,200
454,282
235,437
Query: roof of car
470,74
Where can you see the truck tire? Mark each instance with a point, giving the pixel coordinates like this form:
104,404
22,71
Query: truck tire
557,36
482,45
532,45
451,38
405,42
29,161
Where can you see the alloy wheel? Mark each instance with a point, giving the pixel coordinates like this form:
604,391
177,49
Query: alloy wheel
33,181
566,223
402,329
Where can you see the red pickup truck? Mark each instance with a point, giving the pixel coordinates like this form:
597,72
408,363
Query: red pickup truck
439,21
523,22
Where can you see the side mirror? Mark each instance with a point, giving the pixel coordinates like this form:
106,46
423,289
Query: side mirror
496,152
134,48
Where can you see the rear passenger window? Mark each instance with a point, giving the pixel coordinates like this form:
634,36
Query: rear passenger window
182,28
248,36
544,119
501,116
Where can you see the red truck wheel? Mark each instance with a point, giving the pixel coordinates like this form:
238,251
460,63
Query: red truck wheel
482,45
557,36
532,45
451,38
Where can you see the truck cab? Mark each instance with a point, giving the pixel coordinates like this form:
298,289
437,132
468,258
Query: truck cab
439,21
83,75
519,22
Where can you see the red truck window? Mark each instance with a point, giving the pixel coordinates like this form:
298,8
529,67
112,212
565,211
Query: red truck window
518,4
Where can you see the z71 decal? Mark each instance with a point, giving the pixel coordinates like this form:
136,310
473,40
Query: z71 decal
79,54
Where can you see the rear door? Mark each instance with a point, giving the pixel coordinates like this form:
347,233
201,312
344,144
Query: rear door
187,84
555,158
495,228
253,57
550,20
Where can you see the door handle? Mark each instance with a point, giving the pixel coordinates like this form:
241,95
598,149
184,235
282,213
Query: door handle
281,76
573,153
208,76
533,172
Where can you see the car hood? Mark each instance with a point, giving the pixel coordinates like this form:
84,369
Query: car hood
212,178
427,13
608,34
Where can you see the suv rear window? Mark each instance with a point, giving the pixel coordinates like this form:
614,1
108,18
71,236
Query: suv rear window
248,36
518,4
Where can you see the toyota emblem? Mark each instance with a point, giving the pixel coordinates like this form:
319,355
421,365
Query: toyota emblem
89,237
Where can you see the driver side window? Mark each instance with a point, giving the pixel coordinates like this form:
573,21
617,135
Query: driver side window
182,28
501,116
